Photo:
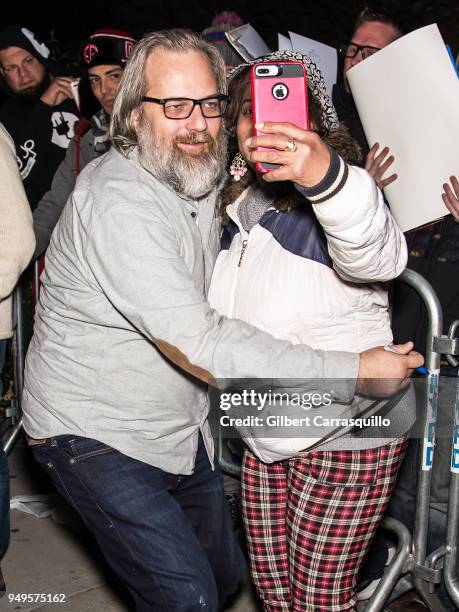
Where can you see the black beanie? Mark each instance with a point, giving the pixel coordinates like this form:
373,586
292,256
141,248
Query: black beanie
106,47
17,36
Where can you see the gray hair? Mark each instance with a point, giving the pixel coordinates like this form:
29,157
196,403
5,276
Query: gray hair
133,84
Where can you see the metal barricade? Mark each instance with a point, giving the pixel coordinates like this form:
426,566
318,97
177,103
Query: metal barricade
14,411
410,557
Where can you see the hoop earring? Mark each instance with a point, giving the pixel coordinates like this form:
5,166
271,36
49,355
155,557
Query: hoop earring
238,167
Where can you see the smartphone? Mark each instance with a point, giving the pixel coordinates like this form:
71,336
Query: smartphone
279,93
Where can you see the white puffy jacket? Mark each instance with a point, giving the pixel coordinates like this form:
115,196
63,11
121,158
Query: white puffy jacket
314,275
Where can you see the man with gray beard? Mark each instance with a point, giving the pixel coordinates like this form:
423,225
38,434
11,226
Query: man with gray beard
125,342
189,175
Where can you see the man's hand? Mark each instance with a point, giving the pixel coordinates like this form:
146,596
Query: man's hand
451,198
377,165
58,91
382,373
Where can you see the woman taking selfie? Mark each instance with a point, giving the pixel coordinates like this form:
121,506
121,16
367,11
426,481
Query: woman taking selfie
305,250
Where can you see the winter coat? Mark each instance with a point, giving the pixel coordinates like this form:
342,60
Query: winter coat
314,275
16,234
134,338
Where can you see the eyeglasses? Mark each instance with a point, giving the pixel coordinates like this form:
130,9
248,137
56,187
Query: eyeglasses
181,108
351,50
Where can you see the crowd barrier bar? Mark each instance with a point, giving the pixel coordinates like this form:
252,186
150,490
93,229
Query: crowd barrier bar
451,563
14,412
412,559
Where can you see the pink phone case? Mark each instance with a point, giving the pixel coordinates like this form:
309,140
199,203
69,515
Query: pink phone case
280,98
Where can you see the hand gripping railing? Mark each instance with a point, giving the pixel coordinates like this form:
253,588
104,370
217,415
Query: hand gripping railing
411,550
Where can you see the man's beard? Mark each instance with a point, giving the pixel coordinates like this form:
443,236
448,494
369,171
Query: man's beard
191,175
33,94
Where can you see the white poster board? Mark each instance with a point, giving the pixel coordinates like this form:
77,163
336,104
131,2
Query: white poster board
324,56
247,42
407,96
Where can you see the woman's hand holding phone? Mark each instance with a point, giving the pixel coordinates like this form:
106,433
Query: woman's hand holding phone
303,156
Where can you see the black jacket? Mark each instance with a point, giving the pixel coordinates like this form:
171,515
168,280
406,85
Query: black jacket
434,253
41,134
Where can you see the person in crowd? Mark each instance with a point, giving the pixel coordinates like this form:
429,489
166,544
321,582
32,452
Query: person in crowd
215,34
41,113
121,425
432,251
17,243
102,60
302,260
372,32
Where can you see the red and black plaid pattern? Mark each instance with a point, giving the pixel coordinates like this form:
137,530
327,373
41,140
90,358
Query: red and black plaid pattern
310,520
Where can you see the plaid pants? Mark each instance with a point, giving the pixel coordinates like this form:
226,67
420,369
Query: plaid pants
310,520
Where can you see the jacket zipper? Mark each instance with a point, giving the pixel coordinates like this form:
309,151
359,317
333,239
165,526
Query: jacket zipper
244,246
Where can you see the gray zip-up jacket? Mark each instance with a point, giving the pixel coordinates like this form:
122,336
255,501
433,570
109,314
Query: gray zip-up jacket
125,340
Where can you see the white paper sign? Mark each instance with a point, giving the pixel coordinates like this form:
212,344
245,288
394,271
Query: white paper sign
247,42
285,44
407,96
324,56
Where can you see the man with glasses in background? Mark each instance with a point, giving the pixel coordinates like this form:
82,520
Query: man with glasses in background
372,32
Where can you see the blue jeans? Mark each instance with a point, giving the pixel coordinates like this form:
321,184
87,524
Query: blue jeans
168,537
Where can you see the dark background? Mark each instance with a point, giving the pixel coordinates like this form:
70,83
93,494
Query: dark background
65,24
